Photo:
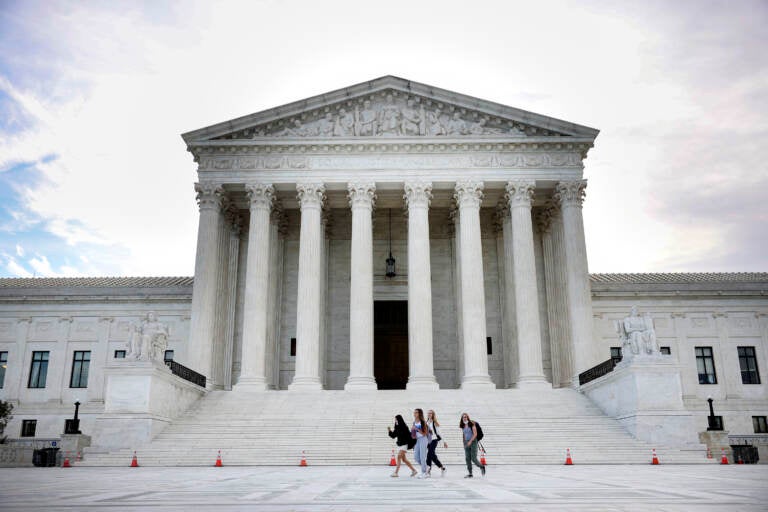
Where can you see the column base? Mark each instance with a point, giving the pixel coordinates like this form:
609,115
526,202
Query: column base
305,384
251,384
360,384
422,384
479,382
533,383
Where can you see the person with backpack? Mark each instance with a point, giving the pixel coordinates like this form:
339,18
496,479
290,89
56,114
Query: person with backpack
471,433
435,438
404,443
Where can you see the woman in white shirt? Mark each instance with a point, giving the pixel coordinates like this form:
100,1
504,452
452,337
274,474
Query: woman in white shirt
435,438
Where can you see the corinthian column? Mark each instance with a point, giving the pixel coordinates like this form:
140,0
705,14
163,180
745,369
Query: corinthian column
469,195
361,198
570,194
200,349
417,196
253,375
307,376
530,371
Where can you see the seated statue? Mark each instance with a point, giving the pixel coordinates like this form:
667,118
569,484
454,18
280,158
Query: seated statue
637,335
149,340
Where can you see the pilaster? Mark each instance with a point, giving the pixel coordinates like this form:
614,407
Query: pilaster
99,359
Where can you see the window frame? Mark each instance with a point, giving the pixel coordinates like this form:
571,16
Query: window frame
165,356
120,356
704,359
753,374
760,424
617,354
668,350
25,425
83,367
38,369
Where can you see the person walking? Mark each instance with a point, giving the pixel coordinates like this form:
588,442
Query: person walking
421,432
469,436
404,441
434,440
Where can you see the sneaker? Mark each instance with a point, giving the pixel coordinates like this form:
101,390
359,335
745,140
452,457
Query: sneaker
414,472
468,475
394,475
427,475
442,471
421,475
482,470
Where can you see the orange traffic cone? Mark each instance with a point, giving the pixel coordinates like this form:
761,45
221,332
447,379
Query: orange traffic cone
392,461
482,457
568,460
723,458
709,453
66,461
134,461
303,459
218,461
740,461
655,459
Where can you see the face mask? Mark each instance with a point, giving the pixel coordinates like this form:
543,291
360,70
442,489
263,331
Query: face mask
466,422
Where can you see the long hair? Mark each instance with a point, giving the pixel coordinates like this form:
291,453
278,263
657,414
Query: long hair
421,420
434,418
461,420
400,422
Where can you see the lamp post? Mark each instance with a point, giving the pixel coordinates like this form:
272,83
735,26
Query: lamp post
390,261
714,422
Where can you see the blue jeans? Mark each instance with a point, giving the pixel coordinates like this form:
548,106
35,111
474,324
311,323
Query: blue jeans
420,452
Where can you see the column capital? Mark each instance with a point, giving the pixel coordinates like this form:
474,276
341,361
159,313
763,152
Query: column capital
310,194
502,214
544,218
418,194
260,195
520,193
571,193
469,193
361,194
209,196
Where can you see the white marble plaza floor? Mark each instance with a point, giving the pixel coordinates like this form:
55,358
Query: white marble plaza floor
505,488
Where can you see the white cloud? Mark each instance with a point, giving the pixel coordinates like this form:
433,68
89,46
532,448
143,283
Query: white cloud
42,266
14,268
19,251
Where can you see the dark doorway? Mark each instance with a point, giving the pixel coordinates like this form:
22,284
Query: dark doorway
390,343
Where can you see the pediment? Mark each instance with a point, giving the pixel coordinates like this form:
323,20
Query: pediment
390,108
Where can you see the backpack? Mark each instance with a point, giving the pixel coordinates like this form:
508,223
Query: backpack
479,431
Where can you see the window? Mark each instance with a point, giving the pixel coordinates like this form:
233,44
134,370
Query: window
293,346
39,370
616,355
489,345
665,350
80,363
168,356
28,428
758,422
3,366
705,365
748,364
119,354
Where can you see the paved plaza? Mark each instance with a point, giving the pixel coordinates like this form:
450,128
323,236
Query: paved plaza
506,488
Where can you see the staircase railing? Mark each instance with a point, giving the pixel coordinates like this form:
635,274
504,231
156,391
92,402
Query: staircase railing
596,372
185,373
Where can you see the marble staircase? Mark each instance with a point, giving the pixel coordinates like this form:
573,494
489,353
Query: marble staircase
350,428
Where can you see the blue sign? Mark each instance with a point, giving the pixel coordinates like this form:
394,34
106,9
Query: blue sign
53,444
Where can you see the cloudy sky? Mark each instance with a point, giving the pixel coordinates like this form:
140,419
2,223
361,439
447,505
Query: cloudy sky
95,179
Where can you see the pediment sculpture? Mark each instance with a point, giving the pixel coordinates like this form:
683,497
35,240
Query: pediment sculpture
148,340
637,336
389,114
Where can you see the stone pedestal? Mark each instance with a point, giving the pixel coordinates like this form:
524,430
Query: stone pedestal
716,441
73,443
15,456
140,399
645,396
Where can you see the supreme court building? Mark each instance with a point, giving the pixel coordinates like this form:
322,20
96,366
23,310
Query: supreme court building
389,235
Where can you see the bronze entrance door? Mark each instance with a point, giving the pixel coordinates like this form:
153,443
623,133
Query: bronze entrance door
390,343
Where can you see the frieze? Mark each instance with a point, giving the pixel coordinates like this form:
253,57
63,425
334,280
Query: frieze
394,161
391,114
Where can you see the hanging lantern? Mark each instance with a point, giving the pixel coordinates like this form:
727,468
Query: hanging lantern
390,260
